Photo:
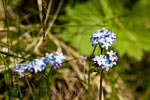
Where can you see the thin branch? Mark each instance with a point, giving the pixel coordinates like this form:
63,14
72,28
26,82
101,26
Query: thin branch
71,60
50,24
48,11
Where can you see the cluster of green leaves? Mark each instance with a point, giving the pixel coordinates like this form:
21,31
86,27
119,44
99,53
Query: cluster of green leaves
129,20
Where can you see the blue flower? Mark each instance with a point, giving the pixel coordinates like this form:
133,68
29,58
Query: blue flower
38,65
111,53
105,45
52,63
57,65
19,68
104,37
44,60
106,66
109,40
99,60
113,36
19,71
112,56
113,63
59,57
49,55
55,61
83,58
22,66
95,38
106,62
29,66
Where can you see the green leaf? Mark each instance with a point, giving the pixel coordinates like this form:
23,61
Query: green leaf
130,23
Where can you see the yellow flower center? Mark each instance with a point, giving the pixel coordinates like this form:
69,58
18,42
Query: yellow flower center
36,66
19,72
53,62
111,57
101,61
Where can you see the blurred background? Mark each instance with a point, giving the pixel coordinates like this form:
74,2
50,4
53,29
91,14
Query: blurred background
30,28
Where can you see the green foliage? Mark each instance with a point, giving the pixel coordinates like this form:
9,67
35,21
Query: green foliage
129,20
7,72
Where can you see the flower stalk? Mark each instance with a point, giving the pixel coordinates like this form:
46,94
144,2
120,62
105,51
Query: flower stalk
30,87
101,77
48,83
89,74
104,39
100,83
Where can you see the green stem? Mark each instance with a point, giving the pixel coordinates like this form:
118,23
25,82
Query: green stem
30,87
20,93
8,36
101,77
101,48
6,74
90,75
48,83
6,21
20,50
100,90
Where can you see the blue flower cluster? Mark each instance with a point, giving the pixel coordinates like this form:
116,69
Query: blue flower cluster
38,65
106,62
105,37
